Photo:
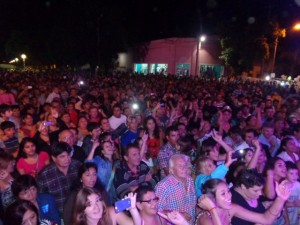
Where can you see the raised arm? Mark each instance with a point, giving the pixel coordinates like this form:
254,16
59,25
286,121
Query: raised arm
207,204
253,162
283,193
92,152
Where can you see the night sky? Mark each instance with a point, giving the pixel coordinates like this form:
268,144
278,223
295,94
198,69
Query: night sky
79,31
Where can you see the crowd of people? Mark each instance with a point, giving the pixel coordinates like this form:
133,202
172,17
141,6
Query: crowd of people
182,150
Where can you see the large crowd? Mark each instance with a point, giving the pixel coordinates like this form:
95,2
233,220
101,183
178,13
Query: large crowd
79,149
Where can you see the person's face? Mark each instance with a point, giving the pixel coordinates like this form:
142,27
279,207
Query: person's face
105,126
63,160
133,158
94,208
183,120
133,125
182,130
180,168
29,194
280,169
252,121
108,148
262,158
223,196
249,137
173,137
96,132
227,115
268,132
117,112
82,123
252,193
29,218
10,132
270,113
151,125
75,135
292,175
214,153
89,177
149,203
16,112
93,113
248,156
208,167
29,149
290,146
67,137
28,120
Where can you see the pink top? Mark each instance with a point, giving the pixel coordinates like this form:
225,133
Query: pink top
7,98
33,169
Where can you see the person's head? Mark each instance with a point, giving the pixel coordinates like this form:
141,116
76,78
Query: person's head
296,131
219,192
7,162
66,117
5,111
107,148
181,129
288,145
87,173
132,123
89,208
8,128
105,125
250,135
292,172
25,187
15,111
172,135
27,148
60,153
278,166
21,212
269,111
132,155
82,123
146,200
67,137
250,183
117,112
268,130
178,166
150,125
93,112
249,152
210,148
205,165
27,119
94,129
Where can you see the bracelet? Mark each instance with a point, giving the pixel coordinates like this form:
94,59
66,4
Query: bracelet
212,209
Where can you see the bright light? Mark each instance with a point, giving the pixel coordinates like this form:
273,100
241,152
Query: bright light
23,56
296,26
135,106
202,38
268,77
81,82
282,83
16,59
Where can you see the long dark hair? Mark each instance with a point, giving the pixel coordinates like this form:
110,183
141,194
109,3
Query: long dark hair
156,129
24,141
79,217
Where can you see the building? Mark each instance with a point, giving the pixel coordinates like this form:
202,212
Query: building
177,56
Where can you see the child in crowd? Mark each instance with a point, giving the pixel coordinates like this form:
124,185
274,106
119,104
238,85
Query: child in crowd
9,142
293,203
5,112
207,169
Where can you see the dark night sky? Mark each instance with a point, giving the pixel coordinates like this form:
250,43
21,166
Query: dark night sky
75,31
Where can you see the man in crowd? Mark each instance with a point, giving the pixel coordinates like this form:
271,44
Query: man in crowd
117,118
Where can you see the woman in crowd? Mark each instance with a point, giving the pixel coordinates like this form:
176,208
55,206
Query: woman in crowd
87,177
28,129
218,208
66,118
82,128
89,209
289,150
30,161
25,188
21,212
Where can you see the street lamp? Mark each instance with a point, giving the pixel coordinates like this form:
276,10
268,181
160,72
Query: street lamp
23,56
296,27
199,43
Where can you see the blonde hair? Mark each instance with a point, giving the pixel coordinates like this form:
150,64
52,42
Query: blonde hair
200,163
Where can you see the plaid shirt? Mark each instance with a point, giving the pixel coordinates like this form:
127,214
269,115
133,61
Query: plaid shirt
174,195
164,156
51,180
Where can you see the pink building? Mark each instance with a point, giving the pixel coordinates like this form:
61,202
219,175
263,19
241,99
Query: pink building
179,56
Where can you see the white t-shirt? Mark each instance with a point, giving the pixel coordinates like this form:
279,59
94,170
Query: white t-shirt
116,122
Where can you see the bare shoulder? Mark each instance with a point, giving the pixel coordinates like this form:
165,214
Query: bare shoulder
204,219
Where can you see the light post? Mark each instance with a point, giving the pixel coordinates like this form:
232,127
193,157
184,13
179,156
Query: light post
199,43
23,56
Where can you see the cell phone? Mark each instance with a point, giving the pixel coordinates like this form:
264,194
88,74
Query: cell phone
47,124
29,87
122,205
238,154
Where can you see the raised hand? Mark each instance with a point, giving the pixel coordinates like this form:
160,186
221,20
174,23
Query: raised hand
205,202
283,190
217,137
132,200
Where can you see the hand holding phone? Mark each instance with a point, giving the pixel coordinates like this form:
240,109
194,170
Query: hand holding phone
122,205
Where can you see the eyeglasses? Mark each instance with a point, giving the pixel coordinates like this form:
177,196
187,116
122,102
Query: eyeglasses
155,200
